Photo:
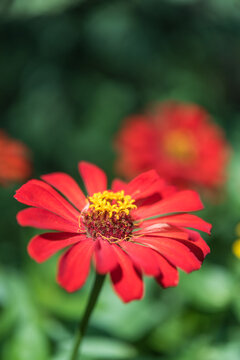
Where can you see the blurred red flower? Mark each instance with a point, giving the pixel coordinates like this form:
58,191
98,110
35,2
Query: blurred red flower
111,227
14,160
179,140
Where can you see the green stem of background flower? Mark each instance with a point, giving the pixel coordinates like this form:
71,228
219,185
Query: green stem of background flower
97,286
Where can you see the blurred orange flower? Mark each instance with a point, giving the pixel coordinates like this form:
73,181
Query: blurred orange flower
179,140
14,160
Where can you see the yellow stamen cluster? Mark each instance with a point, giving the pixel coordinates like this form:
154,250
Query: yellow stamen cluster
112,202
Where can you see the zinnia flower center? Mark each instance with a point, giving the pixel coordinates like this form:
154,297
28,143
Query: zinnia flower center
180,146
108,216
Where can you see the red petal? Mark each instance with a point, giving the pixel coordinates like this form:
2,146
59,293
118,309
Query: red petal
118,185
74,265
150,200
152,263
175,252
144,257
39,194
145,185
182,220
68,187
94,178
105,257
43,246
198,241
163,230
127,282
196,250
181,201
169,275
43,219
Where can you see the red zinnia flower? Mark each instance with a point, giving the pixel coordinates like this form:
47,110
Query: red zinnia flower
14,160
179,141
110,227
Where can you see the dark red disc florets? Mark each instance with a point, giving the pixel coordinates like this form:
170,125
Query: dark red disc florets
114,228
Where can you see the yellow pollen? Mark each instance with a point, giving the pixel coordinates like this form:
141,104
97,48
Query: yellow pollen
236,248
180,146
112,202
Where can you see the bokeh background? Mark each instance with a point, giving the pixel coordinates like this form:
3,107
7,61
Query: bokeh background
70,71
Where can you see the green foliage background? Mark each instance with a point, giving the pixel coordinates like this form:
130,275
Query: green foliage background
70,71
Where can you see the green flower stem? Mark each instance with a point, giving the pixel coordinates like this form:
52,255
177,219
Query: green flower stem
97,286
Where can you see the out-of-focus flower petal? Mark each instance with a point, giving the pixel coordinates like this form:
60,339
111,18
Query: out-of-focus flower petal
15,163
179,140
94,178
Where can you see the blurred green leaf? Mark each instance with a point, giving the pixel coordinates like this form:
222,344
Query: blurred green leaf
99,348
183,2
8,312
107,349
202,349
211,288
172,333
129,321
225,8
236,302
234,177
28,343
49,295
36,7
